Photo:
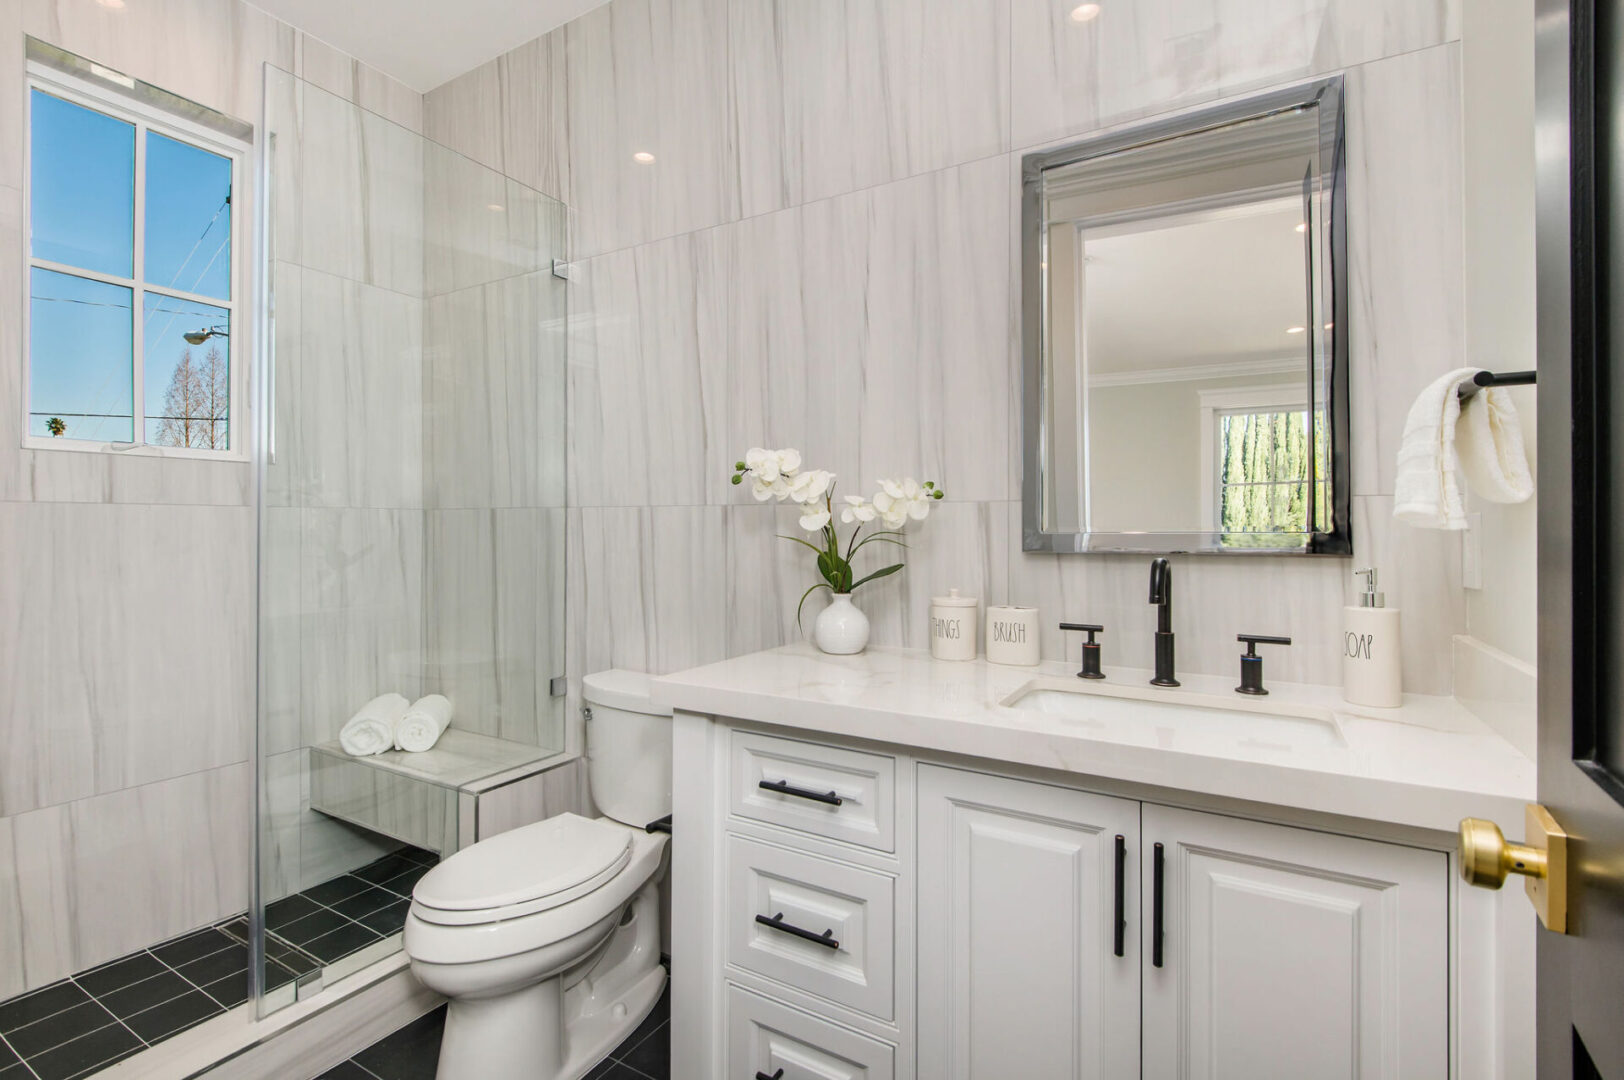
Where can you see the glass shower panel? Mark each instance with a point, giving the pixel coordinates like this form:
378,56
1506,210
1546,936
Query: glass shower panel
411,433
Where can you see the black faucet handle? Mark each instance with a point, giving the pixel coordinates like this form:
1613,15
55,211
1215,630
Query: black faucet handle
1091,649
1252,663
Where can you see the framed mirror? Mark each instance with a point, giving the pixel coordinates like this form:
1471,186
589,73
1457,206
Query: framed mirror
1184,314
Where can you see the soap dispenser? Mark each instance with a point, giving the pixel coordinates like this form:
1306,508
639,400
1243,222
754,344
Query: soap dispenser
1372,669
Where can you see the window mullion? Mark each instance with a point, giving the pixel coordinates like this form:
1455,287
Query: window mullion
138,312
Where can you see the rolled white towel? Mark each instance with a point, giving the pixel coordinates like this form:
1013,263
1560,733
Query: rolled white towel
372,729
1490,443
1427,490
423,723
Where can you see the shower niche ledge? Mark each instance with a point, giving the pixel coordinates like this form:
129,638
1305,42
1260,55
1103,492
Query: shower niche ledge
468,787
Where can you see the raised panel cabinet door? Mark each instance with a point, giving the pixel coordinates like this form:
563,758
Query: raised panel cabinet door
1288,953
1020,973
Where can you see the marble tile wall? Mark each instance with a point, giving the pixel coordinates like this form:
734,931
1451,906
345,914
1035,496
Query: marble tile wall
823,254
127,662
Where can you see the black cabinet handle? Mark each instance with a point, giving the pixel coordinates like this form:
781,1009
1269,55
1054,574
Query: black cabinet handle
1156,907
1121,865
826,939
779,1075
783,788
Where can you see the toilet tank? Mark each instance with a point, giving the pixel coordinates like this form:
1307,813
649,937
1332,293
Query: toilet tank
628,747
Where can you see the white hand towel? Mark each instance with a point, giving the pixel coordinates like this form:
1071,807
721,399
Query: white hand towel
372,729
1490,443
1427,490
423,723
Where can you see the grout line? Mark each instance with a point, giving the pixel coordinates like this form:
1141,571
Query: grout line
97,998
27,1068
363,1068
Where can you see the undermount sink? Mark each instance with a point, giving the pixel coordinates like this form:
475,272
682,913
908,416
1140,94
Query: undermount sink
1182,719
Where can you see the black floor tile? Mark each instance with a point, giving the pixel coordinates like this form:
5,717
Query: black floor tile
194,946
287,910
614,1070
38,1004
346,1070
276,975
288,956
403,883
237,928
85,1054
311,927
138,997
341,942
389,920
412,1053
368,900
19,1071
329,893
215,966
230,991
389,866
7,1057
174,1016
427,858
66,1025
651,1056
119,974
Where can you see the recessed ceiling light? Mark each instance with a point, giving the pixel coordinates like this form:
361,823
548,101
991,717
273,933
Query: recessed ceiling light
1295,329
1084,12
643,157
1302,226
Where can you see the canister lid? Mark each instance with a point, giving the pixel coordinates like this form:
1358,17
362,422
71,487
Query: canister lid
953,599
1008,608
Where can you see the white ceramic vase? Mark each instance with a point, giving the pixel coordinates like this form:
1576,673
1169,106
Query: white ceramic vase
840,628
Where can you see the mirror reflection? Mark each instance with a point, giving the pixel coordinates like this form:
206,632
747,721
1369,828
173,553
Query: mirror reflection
1187,345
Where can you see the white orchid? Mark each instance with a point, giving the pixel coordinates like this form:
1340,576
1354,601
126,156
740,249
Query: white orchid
776,474
857,509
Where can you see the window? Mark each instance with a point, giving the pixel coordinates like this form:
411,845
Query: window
132,276
1263,470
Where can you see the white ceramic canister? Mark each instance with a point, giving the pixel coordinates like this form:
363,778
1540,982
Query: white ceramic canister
1012,635
953,626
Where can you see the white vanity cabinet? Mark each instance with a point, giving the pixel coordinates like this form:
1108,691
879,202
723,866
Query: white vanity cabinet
847,910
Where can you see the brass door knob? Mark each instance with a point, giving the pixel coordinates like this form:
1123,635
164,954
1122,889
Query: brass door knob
1486,858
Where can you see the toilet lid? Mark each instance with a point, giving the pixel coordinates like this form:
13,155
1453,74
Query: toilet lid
528,863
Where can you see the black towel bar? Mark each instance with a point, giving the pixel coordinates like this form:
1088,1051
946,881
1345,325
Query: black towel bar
1490,378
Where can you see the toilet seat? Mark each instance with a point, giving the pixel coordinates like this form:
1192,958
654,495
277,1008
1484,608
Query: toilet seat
523,871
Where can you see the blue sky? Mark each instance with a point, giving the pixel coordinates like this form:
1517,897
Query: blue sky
82,214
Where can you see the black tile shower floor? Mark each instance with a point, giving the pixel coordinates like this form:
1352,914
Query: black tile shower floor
413,1052
90,1020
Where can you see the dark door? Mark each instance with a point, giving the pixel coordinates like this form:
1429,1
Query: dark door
1579,144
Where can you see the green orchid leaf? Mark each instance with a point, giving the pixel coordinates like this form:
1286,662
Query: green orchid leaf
887,572
802,604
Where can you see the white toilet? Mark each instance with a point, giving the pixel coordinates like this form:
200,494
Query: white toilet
547,938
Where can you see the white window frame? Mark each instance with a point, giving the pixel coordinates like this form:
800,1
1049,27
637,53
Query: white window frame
145,118
1242,399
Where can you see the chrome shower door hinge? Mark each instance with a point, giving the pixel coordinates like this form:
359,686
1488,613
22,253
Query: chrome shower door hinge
559,686
562,269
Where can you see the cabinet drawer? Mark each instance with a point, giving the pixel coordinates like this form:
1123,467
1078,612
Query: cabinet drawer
764,1036
849,913
825,790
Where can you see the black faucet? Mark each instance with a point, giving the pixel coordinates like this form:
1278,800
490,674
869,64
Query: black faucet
1161,594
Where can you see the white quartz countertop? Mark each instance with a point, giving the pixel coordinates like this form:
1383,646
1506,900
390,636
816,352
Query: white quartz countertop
1426,764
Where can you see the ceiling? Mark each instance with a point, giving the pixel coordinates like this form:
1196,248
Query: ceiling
426,43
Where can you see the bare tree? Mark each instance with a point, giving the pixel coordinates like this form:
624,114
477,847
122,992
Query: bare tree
197,404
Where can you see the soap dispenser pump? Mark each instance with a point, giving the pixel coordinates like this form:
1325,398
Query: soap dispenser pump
1372,668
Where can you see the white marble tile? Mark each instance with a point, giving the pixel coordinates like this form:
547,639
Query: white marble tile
101,877
647,375
128,656
1138,59
359,379
16,472
647,588
480,226
281,787
13,978
559,790
648,76
830,98
1405,247
282,138
361,594
361,195
329,847
494,409
412,811
494,606
936,387
509,114
281,539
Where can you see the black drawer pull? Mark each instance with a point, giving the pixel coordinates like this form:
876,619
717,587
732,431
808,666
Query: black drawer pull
1121,864
826,939
1156,907
779,1075
783,788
